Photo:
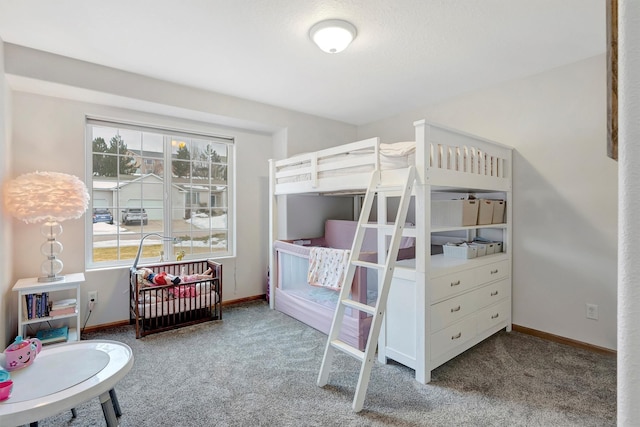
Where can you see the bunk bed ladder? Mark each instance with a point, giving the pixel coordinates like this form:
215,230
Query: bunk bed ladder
367,357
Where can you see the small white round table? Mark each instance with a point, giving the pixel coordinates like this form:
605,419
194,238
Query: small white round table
65,375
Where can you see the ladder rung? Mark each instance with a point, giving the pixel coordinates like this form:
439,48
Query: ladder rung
366,264
346,348
380,183
388,188
359,306
379,226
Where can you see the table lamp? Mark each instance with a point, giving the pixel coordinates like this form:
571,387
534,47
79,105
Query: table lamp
48,198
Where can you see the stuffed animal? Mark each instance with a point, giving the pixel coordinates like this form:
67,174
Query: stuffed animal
159,279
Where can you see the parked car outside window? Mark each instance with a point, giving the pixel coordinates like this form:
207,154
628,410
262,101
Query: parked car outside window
102,215
134,215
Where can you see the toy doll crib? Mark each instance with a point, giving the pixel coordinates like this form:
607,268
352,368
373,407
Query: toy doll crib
159,308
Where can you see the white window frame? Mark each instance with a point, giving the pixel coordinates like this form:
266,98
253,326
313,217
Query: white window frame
229,141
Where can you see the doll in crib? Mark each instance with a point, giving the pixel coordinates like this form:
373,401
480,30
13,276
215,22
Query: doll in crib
185,278
164,278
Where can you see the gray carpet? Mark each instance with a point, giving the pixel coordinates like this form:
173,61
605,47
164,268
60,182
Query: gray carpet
258,367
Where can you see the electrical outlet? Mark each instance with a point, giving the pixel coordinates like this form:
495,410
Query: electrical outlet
93,297
592,311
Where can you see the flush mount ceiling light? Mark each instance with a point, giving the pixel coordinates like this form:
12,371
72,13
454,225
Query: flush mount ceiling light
332,35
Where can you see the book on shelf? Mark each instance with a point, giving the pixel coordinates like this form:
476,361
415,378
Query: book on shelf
45,304
53,335
36,305
29,299
57,305
41,305
62,311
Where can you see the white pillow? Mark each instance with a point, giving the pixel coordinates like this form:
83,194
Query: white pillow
398,148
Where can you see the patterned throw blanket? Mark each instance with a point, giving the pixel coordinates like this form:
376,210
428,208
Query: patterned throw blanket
327,267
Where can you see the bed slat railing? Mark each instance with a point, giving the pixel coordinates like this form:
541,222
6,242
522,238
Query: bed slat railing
450,150
467,159
308,167
314,170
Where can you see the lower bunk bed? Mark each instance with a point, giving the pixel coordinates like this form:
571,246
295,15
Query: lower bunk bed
172,295
315,305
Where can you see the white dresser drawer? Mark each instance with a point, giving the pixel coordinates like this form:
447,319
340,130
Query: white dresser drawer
452,284
492,293
494,315
450,311
490,272
453,336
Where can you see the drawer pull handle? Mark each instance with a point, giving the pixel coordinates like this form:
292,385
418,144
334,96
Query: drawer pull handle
493,294
494,271
455,337
453,310
455,283
495,316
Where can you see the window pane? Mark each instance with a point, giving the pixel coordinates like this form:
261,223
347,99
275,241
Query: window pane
131,197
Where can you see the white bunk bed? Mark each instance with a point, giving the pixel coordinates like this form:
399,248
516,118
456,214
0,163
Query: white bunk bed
438,306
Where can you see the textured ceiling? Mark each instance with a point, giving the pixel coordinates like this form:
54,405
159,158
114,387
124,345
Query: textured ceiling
408,53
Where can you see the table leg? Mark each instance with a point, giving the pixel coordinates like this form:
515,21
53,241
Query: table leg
107,410
114,400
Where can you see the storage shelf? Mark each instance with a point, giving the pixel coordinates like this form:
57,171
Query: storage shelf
411,231
73,336
48,318
470,227
68,283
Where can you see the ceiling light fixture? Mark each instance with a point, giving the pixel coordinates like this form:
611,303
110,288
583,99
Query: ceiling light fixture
333,35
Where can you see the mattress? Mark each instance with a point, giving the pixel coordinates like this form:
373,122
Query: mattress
176,305
155,302
326,297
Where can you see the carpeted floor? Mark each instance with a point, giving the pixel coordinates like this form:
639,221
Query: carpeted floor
258,367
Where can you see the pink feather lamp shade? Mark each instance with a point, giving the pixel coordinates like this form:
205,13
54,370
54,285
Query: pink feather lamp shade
48,198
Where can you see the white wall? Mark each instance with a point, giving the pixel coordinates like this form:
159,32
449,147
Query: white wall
7,308
52,95
564,192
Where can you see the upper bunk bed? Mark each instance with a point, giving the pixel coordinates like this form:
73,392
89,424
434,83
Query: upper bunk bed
443,157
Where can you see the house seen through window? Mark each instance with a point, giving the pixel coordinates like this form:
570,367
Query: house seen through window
173,184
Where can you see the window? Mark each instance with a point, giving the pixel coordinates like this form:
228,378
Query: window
171,183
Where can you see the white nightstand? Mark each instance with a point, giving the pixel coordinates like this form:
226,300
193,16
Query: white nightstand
32,286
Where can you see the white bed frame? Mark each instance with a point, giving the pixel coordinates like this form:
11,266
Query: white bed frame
446,161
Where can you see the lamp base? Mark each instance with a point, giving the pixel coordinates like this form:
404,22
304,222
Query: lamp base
51,249
50,278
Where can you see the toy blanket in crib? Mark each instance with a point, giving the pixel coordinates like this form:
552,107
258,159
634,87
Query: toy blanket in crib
167,292
327,267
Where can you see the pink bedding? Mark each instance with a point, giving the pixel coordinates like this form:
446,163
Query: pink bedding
315,306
